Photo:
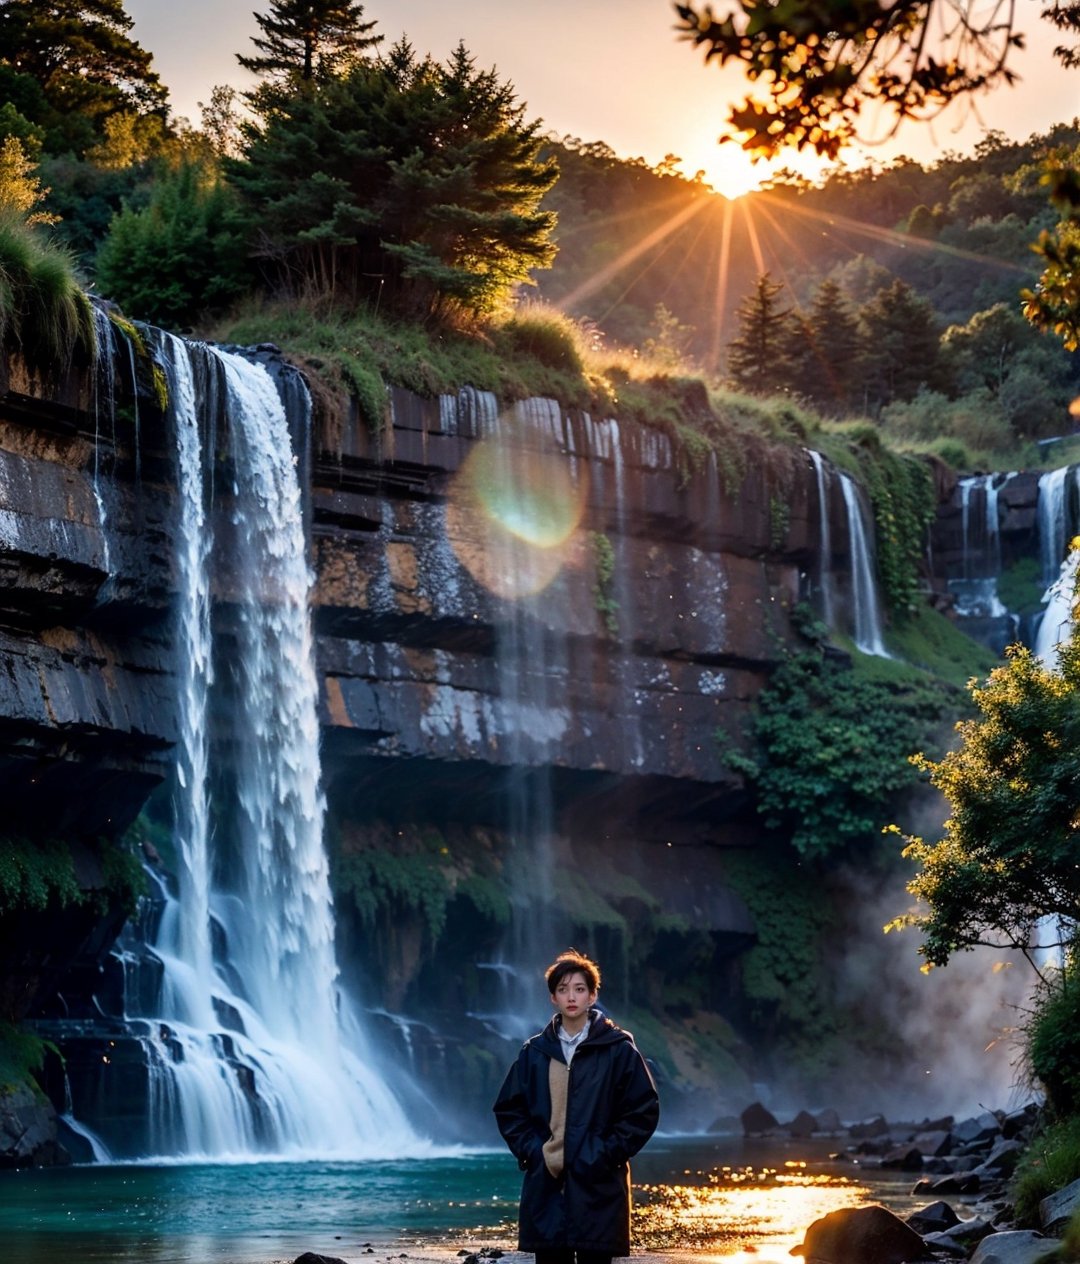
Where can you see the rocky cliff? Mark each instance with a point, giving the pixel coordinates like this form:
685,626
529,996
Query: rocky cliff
521,695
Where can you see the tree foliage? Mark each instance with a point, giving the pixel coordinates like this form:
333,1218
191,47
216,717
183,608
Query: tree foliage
1007,860
831,748
70,64
757,355
307,39
183,254
404,182
1054,302
817,64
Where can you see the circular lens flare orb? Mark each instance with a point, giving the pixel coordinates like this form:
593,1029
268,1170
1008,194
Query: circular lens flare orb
513,513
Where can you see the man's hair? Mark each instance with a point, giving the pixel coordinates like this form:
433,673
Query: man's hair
572,962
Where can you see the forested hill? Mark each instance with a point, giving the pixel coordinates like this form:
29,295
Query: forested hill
657,262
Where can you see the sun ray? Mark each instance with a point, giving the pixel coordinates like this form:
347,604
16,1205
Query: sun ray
751,232
632,253
723,269
889,235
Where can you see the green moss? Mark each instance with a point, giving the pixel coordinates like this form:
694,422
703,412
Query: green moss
487,896
22,1055
33,875
583,906
933,643
1020,586
376,881
604,561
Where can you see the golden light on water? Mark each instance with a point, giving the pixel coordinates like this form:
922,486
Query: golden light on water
740,1214
513,514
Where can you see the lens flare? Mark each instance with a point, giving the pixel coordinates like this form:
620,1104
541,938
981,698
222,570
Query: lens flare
513,514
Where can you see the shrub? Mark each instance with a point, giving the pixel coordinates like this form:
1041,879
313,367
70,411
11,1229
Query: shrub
1053,1045
1050,1162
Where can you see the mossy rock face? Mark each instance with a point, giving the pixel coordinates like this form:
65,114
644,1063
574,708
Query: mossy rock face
28,1129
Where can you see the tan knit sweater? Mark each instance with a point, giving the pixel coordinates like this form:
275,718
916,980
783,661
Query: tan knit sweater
558,1082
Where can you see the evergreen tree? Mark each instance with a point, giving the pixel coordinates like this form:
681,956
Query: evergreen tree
829,372
305,39
757,356
406,182
901,343
70,64
182,255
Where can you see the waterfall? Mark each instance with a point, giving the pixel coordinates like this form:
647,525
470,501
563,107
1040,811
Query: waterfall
864,596
1058,565
976,589
1053,527
252,1049
824,538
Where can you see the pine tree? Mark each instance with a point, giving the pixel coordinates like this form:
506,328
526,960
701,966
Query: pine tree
901,341
757,359
70,64
407,182
830,368
307,39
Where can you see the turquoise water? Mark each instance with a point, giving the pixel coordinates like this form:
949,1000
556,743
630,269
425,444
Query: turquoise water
260,1212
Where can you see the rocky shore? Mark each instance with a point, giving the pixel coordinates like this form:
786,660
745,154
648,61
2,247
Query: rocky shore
962,1168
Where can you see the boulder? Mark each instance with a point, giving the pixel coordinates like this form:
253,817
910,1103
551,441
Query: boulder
875,1126
1017,1122
312,1257
984,1127
1002,1159
933,1218
1017,1246
956,1183
1056,1209
860,1235
28,1130
905,1158
803,1125
755,1119
933,1143
828,1121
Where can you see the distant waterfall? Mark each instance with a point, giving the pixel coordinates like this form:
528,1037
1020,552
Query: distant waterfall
825,578
1059,568
244,1034
1054,518
976,588
866,608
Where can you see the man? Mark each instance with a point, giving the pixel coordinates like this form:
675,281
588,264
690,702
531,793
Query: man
575,1106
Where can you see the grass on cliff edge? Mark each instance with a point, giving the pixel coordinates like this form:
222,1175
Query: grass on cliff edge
43,308
532,351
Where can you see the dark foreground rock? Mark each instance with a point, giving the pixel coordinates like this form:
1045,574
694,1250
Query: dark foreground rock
860,1235
28,1130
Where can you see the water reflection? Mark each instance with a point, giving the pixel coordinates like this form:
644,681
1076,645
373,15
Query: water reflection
716,1199
731,1211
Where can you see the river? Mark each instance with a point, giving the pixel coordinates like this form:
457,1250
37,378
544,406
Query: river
722,1196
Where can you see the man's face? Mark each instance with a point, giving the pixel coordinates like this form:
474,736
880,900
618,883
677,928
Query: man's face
572,997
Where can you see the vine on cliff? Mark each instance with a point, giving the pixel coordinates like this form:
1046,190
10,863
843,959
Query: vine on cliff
901,492
832,746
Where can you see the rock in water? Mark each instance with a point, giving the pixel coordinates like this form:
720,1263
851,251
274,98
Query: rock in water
860,1235
311,1257
756,1119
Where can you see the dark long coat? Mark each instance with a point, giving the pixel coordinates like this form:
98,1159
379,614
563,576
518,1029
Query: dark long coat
612,1110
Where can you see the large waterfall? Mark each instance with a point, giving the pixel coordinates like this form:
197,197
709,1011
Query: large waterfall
253,1048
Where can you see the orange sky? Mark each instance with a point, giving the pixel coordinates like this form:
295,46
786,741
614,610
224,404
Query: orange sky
610,70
